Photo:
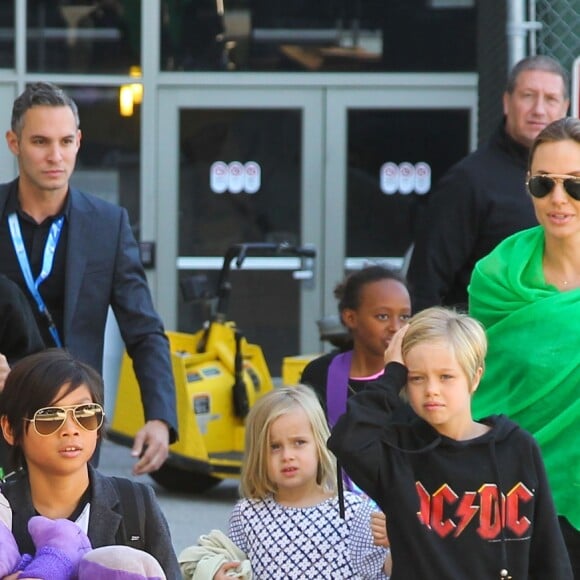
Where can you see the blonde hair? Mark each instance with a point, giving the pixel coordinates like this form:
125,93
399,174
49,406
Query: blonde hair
255,483
464,335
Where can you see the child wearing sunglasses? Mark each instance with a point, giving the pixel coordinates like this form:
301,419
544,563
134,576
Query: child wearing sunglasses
51,414
527,294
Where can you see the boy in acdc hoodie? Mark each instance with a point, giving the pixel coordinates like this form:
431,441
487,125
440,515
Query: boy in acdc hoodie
463,499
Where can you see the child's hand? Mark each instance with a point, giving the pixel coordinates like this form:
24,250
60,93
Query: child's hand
221,574
394,352
379,529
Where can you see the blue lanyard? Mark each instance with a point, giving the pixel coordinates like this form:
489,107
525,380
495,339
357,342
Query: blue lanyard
47,261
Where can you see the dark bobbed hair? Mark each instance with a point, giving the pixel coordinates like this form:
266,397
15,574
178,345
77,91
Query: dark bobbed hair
539,62
348,291
40,94
34,382
566,129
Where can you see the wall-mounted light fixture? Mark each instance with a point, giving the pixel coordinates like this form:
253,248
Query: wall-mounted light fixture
131,94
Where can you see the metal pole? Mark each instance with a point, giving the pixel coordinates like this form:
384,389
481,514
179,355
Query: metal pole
515,31
517,28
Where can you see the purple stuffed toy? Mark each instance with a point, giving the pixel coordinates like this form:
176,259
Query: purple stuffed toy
9,554
60,545
120,563
63,552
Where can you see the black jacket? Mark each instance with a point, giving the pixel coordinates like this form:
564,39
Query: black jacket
105,519
478,203
440,495
19,334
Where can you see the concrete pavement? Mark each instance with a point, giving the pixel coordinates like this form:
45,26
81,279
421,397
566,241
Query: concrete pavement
189,516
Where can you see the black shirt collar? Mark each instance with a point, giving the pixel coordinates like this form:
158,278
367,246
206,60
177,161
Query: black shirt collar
510,146
13,205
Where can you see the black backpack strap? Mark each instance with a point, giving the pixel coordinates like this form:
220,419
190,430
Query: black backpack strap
132,530
16,489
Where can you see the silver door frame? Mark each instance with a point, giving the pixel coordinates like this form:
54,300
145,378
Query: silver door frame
170,101
397,91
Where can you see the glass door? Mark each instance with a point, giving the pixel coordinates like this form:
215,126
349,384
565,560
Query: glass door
385,148
240,165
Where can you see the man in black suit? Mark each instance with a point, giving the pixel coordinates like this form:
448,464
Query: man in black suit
74,255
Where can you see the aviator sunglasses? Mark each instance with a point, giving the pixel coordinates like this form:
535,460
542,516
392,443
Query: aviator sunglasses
49,420
541,185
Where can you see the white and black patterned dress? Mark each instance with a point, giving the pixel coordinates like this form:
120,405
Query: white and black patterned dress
314,542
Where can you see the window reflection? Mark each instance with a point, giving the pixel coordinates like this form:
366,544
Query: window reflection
72,36
108,162
326,35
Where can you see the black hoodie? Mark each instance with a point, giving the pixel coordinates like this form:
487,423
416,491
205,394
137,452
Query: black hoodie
440,495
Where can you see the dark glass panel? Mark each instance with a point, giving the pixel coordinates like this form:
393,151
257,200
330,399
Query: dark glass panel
322,36
7,34
214,215
381,215
102,36
108,163
240,181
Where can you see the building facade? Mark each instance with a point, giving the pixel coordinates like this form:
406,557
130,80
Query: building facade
224,121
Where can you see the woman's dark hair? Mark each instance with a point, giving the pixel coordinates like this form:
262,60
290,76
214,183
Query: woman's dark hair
348,291
566,129
34,382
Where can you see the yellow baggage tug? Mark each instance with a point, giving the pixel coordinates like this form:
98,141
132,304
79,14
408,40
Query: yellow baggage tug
218,377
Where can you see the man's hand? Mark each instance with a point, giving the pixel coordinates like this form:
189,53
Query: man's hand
4,370
151,446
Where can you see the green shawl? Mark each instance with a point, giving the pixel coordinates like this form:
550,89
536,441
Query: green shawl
533,363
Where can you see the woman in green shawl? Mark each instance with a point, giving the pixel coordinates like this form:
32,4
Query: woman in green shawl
527,294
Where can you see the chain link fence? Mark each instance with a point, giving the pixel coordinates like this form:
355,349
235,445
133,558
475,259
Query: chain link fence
559,36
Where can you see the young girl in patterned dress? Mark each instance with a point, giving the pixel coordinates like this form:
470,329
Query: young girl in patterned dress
288,523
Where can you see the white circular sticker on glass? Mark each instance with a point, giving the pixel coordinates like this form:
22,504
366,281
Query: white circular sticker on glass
422,177
389,178
252,177
218,177
236,177
406,178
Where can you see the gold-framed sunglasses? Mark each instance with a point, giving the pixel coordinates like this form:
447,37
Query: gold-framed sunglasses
49,420
543,184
